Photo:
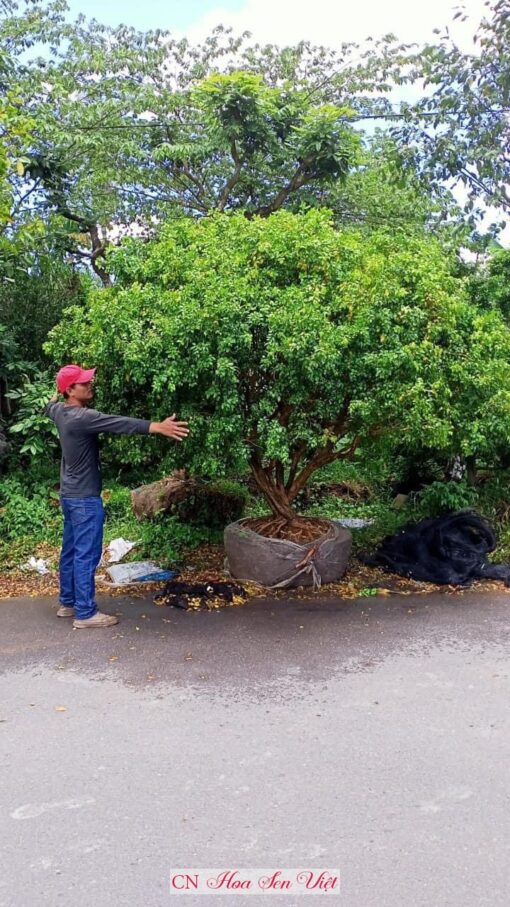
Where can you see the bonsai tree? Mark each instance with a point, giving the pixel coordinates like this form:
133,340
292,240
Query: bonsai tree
289,345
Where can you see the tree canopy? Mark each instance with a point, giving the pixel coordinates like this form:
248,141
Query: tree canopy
289,344
459,130
135,127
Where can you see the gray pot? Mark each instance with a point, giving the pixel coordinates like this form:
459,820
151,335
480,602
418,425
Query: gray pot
280,564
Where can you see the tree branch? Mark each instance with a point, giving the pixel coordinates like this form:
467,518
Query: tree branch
234,178
23,198
300,178
296,456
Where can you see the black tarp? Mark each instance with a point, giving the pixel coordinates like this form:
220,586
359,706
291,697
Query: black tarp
450,549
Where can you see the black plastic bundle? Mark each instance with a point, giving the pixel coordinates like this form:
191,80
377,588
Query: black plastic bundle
450,549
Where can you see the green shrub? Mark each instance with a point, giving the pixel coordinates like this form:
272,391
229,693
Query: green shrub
214,504
443,497
288,345
35,433
164,538
28,514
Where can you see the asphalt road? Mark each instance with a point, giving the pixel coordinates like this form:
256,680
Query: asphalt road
369,736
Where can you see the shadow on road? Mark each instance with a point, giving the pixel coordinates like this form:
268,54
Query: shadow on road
265,647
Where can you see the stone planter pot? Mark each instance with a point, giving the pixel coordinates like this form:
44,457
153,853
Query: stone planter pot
280,564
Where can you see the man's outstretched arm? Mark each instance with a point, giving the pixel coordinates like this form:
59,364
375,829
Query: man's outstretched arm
96,422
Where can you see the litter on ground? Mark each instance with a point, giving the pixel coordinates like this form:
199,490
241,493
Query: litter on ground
36,564
139,572
116,550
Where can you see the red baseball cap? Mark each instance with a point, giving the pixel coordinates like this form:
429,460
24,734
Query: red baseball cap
73,374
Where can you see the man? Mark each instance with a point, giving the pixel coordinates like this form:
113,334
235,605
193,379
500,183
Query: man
80,488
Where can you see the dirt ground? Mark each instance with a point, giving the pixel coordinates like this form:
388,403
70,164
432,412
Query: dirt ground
205,564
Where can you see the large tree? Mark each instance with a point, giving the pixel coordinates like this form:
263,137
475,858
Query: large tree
289,345
459,130
135,127
15,128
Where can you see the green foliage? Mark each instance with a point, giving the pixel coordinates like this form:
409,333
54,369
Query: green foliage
158,131
382,190
38,434
288,345
12,363
445,497
14,130
32,303
165,538
30,516
28,513
459,127
162,539
161,132
214,504
490,285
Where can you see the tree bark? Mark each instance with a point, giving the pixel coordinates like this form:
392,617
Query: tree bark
300,178
98,244
274,494
98,250
471,470
280,496
149,500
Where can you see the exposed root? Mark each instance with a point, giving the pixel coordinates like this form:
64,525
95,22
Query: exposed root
299,529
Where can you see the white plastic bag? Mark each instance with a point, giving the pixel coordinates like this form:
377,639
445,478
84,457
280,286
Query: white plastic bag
117,549
37,564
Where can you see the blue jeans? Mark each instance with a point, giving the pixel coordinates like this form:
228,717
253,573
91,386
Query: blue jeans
82,546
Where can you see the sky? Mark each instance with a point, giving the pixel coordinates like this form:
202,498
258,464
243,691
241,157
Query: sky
286,21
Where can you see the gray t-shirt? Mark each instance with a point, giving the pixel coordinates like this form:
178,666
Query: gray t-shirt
78,428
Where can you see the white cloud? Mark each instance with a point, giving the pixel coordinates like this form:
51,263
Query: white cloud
332,22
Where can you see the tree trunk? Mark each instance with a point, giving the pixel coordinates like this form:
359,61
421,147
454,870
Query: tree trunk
275,495
5,403
98,250
149,500
471,470
279,495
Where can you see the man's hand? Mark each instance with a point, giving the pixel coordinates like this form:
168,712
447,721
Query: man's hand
170,428
54,398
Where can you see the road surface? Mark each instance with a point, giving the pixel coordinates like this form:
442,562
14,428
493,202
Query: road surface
369,736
